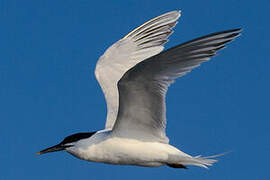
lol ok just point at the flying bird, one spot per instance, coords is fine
(134, 74)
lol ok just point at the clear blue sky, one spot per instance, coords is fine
(48, 52)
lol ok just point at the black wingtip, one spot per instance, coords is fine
(232, 30)
(237, 29)
(235, 32)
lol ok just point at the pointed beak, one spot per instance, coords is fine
(57, 147)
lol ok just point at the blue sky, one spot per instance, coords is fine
(48, 52)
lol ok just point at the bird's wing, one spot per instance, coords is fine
(142, 89)
(143, 42)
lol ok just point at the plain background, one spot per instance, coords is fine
(48, 52)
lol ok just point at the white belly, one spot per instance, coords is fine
(124, 151)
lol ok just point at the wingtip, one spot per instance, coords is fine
(239, 29)
(176, 12)
(179, 12)
(168, 17)
(236, 31)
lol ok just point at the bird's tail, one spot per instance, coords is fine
(201, 161)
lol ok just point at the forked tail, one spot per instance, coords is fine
(200, 161)
(203, 161)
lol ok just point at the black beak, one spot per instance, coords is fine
(58, 147)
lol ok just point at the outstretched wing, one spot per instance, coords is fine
(143, 42)
(142, 89)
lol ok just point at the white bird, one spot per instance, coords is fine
(134, 75)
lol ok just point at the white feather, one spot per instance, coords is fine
(143, 42)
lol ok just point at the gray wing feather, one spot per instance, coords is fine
(142, 89)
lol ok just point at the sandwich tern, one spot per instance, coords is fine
(134, 75)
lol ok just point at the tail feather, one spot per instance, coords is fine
(199, 161)
(182, 159)
(203, 162)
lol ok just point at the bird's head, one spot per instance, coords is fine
(67, 142)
